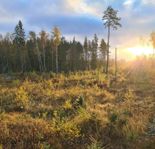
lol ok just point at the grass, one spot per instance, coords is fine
(77, 110)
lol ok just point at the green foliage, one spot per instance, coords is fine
(111, 19)
(113, 117)
(19, 38)
(46, 52)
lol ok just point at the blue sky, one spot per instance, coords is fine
(80, 18)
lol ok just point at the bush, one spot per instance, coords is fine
(13, 99)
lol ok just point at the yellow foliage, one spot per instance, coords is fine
(41, 111)
(21, 98)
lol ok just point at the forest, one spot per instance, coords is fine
(64, 94)
(38, 53)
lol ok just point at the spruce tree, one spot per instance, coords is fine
(19, 35)
(19, 42)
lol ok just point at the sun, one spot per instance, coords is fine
(141, 50)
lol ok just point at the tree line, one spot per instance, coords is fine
(52, 52)
(48, 52)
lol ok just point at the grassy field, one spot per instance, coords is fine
(82, 110)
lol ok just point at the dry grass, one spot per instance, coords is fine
(78, 110)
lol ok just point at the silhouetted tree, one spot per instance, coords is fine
(153, 41)
(34, 52)
(86, 52)
(94, 52)
(111, 20)
(103, 51)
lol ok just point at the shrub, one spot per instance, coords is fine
(15, 99)
(21, 99)
(7, 99)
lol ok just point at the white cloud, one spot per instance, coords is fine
(81, 7)
(128, 4)
(70, 7)
(148, 2)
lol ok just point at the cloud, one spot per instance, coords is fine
(78, 6)
(128, 3)
(148, 2)
(80, 17)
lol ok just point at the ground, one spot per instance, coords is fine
(83, 110)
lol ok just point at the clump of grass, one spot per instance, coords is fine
(95, 144)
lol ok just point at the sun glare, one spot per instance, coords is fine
(140, 50)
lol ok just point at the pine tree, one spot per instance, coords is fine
(86, 52)
(111, 20)
(103, 51)
(94, 52)
(34, 52)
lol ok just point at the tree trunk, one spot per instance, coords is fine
(107, 65)
(44, 58)
(104, 62)
(52, 61)
(39, 58)
(22, 59)
(57, 68)
(116, 64)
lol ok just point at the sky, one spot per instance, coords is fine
(81, 18)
